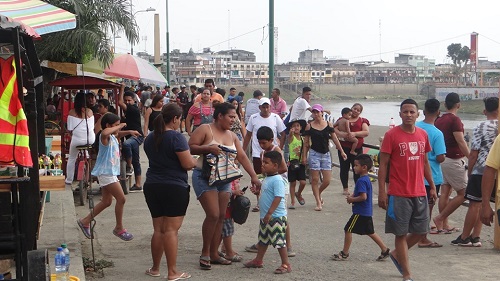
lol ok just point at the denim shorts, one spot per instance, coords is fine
(320, 161)
(200, 185)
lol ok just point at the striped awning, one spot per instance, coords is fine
(40, 16)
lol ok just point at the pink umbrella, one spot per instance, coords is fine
(135, 68)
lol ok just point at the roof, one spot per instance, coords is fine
(84, 82)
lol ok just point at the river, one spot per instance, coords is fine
(379, 113)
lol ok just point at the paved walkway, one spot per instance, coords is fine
(315, 237)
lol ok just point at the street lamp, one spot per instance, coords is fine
(150, 9)
(114, 42)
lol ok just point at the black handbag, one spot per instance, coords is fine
(240, 208)
(294, 164)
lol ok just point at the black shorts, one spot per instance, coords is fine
(473, 191)
(166, 200)
(361, 225)
(297, 175)
(428, 190)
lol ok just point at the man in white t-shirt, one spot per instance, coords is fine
(257, 120)
(252, 106)
(301, 106)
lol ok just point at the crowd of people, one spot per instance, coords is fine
(276, 145)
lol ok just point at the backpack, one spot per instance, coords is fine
(240, 208)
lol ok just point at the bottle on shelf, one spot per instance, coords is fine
(66, 256)
(60, 259)
(392, 124)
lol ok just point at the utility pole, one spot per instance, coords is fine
(168, 50)
(271, 46)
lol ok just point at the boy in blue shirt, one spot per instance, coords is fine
(273, 214)
(362, 210)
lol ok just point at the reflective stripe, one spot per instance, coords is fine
(8, 139)
(6, 99)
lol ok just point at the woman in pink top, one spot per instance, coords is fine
(200, 112)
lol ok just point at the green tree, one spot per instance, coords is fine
(90, 38)
(460, 57)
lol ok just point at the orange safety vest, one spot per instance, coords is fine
(14, 135)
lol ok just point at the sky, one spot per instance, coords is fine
(360, 30)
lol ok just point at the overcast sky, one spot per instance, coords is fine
(343, 29)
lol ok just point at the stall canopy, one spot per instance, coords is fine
(36, 15)
(84, 82)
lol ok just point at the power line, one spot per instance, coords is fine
(418, 46)
(241, 35)
(482, 35)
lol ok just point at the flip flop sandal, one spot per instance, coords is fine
(453, 229)
(431, 245)
(123, 235)
(300, 199)
(235, 258)
(183, 276)
(205, 263)
(256, 209)
(150, 273)
(221, 261)
(439, 231)
(284, 268)
(396, 263)
(318, 209)
(85, 229)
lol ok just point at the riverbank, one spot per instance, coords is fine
(360, 93)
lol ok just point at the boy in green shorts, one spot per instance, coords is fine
(273, 214)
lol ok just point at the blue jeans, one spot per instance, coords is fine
(130, 149)
(320, 161)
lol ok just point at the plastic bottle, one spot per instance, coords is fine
(60, 259)
(66, 256)
(1, 277)
(392, 124)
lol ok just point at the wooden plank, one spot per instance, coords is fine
(47, 183)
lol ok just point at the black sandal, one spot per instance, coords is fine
(205, 263)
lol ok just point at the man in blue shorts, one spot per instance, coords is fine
(405, 148)
(436, 156)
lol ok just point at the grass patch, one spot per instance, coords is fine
(96, 271)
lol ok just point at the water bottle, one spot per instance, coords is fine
(1, 277)
(66, 256)
(392, 124)
(60, 259)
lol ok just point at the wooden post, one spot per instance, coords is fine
(496, 239)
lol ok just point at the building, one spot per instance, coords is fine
(424, 67)
(311, 56)
(239, 55)
(248, 72)
(385, 73)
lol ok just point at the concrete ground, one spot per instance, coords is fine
(315, 237)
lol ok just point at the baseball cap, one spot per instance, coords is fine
(317, 107)
(183, 86)
(263, 101)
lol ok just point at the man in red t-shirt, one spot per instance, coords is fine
(454, 165)
(405, 148)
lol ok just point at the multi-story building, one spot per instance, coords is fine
(312, 56)
(383, 73)
(248, 72)
(424, 67)
(239, 55)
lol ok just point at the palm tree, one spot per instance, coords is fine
(89, 39)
